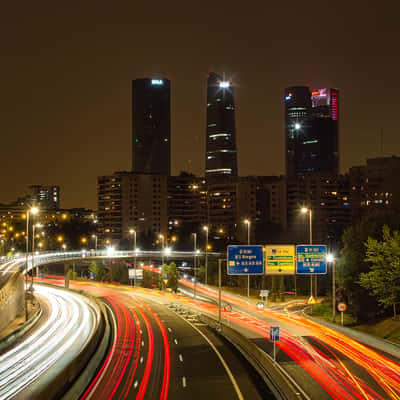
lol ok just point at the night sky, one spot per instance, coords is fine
(66, 70)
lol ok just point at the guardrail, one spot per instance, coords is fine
(279, 383)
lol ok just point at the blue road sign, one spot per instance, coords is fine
(245, 260)
(274, 333)
(311, 259)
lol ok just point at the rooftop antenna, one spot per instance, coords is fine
(381, 144)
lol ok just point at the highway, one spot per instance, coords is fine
(158, 354)
(310, 352)
(66, 325)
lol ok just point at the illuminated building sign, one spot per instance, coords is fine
(334, 106)
(321, 97)
(288, 97)
(224, 84)
(157, 82)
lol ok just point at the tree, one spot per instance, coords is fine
(98, 271)
(173, 277)
(383, 280)
(351, 264)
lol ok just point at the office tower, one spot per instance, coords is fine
(311, 128)
(325, 130)
(297, 124)
(221, 157)
(151, 127)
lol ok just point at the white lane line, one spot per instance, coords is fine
(169, 330)
(142, 343)
(141, 360)
(225, 365)
(180, 358)
(184, 381)
(135, 384)
(176, 342)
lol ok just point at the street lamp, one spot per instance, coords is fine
(194, 263)
(161, 237)
(33, 211)
(331, 259)
(95, 241)
(205, 229)
(248, 223)
(33, 248)
(305, 210)
(133, 232)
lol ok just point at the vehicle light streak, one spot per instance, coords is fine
(149, 361)
(167, 356)
(53, 345)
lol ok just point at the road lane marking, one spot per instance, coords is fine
(180, 358)
(184, 381)
(141, 360)
(169, 330)
(142, 343)
(135, 384)
(225, 365)
(176, 342)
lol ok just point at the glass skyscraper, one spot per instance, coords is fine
(221, 156)
(151, 126)
(311, 130)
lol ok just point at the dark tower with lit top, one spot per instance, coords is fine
(151, 126)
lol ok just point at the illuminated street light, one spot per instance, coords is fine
(331, 259)
(305, 210)
(206, 229)
(248, 223)
(33, 210)
(95, 241)
(133, 232)
(297, 126)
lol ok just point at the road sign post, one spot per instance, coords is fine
(274, 337)
(311, 260)
(342, 307)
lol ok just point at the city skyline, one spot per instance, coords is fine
(66, 96)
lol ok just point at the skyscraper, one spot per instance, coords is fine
(311, 122)
(297, 124)
(151, 126)
(221, 156)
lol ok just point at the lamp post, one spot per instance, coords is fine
(205, 228)
(248, 223)
(33, 211)
(220, 260)
(331, 259)
(305, 210)
(194, 263)
(33, 248)
(161, 237)
(95, 241)
(133, 232)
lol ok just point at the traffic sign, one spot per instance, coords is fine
(280, 259)
(245, 260)
(274, 333)
(264, 293)
(260, 305)
(342, 307)
(311, 259)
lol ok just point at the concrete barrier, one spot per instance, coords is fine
(11, 299)
(279, 383)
